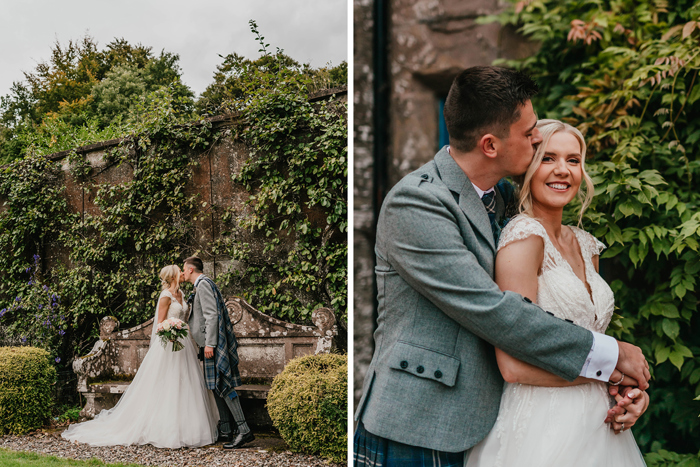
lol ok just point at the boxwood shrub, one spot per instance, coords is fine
(26, 393)
(308, 404)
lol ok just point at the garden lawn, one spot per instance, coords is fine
(30, 459)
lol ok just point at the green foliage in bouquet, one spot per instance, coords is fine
(26, 389)
(308, 405)
(626, 74)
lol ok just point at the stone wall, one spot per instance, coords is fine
(212, 181)
(363, 171)
(428, 43)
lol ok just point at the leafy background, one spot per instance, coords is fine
(295, 177)
(625, 72)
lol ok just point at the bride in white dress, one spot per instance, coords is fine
(544, 420)
(167, 404)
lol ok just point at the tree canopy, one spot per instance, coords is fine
(82, 90)
(237, 77)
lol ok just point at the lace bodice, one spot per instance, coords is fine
(176, 310)
(559, 289)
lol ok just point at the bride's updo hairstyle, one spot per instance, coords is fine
(167, 275)
(547, 128)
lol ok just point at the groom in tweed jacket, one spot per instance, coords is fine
(212, 330)
(433, 387)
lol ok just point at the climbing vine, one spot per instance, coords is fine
(626, 74)
(64, 268)
(297, 179)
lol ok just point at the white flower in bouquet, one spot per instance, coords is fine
(171, 330)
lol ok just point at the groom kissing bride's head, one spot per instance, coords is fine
(441, 317)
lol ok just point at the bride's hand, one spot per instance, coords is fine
(635, 401)
(614, 389)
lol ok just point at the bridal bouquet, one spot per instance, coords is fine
(170, 330)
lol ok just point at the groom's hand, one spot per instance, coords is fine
(631, 362)
(208, 352)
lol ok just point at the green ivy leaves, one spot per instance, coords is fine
(297, 180)
(626, 74)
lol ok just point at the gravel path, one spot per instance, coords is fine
(254, 455)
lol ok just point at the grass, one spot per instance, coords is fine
(31, 459)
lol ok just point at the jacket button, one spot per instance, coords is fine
(424, 176)
(598, 373)
(527, 300)
(420, 369)
(569, 321)
(438, 374)
(404, 364)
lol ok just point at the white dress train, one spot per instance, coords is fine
(542, 426)
(166, 405)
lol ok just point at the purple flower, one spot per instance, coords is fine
(58, 360)
(17, 299)
(61, 332)
(28, 269)
(2, 312)
(36, 258)
(24, 339)
(41, 306)
(45, 288)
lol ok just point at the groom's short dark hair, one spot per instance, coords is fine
(485, 99)
(196, 263)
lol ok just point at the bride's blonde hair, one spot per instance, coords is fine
(548, 127)
(168, 274)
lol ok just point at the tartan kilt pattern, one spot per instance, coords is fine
(374, 451)
(221, 373)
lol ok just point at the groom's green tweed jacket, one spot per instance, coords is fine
(433, 381)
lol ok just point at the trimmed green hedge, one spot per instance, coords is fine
(308, 404)
(26, 396)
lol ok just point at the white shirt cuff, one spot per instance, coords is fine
(602, 359)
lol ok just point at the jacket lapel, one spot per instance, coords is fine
(469, 202)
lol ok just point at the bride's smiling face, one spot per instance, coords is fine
(558, 178)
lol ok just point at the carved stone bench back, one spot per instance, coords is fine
(265, 346)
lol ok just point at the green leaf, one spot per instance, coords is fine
(662, 354)
(671, 328)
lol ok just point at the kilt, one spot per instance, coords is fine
(374, 451)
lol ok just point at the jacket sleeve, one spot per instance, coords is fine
(420, 237)
(207, 300)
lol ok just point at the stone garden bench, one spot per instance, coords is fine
(265, 345)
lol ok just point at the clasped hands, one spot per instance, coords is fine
(627, 385)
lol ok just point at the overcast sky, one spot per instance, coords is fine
(310, 31)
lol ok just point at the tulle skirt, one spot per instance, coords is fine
(167, 405)
(543, 427)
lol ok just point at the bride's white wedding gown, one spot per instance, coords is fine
(541, 426)
(167, 404)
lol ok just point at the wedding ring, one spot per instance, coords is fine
(623, 426)
(618, 383)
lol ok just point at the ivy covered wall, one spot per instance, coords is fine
(260, 195)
